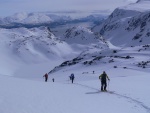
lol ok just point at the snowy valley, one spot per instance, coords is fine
(38, 43)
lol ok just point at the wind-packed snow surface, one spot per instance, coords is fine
(129, 93)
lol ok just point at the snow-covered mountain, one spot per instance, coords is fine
(112, 57)
(93, 18)
(141, 0)
(45, 17)
(26, 41)
(127, 34)
(128, 26)
(32, 18)
(21, 46)
(81, 35)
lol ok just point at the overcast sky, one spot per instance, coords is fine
(9, 7)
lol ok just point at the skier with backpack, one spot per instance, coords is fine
(103, 77)
(46, 77)
(72, 77)
(53, 79)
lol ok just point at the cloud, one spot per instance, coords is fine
(131, 1)
(8, 7)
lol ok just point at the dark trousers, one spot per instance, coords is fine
(72, 80)
(46, 79)
(103, 85)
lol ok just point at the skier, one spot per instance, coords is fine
(46, 77)
(93, 72)
(53, 79)
(72, 77)
(103, 78)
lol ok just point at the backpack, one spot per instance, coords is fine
(103, 77)
(72, 76)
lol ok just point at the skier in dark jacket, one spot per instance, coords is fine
(72, 77)
(46, 77)
(53, 79)
(103, 78)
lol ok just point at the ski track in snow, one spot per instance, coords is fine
(122, 96)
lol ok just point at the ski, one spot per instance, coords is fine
(111, 92)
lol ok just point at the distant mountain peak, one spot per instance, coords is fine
(142, 1)
(132, 20)
(140, 6)
(82, 35)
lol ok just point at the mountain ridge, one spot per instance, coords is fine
(126, 27)
(127, 34)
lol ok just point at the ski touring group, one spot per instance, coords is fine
(103, 78)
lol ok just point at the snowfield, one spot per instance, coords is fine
(130, 93)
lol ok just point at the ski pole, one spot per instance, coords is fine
(108, 85)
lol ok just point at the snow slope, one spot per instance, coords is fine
(130, 93)
(29, 49)
(128, 69)
(22, 47)
(81, 35)
(127, 26)
(116, 57)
